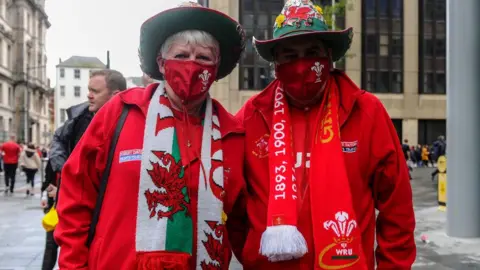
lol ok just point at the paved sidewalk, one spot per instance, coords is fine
(22, 236)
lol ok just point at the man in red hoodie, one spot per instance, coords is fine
(11, 153)
(321, 156)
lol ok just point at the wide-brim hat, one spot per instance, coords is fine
(303, 18)
(191, 16)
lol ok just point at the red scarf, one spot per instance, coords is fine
(336, 234)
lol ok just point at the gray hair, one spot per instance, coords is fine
(194, 37)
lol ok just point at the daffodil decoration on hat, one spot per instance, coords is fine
(303, 18)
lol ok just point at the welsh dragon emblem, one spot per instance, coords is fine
(214, 246)
(167, 199)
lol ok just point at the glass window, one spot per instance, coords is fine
(428, 83)
(440, 10)
(262, 21)
(76, 74)
(428, 46)
(247, 20)
(371, 8)
(383, 82)
(397, 46)
(371, 81)
(62, 73)
(372, 44)
(384, 8)
(247, 5)
(62, 90)
(76, 91)
(440, 48)
(397, 82)
(433, 36)
(397, 8)
(63, 114)
(441, 84)
(266, 76)
(429, 6)
(247, 77)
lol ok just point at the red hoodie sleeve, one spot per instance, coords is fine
(237, 225)
(78, 193)
(393, 197)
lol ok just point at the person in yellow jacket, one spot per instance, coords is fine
(425, 154)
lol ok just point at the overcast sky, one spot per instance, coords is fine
(91, 27)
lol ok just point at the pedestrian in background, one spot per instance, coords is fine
(49, 192)
(11, 153)
(30, 162)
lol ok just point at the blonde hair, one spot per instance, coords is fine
(194, 37)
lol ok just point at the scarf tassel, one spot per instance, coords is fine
(282, 243)
(162, 260)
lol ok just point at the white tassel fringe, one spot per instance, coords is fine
(282, 243)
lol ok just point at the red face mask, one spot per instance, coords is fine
(189, 79)
(304, 78)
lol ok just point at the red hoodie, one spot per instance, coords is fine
(376, 170)
(11, 152)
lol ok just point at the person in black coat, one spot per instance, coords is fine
(48, 201)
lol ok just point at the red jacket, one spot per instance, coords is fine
(376, 170)
(114, 244)
(11, 152)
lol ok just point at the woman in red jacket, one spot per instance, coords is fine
(321, 155)
(177, 170)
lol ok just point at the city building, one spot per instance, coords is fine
(71, 89)
(24, 87)
(398, 53)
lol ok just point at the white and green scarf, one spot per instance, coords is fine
(165, 225)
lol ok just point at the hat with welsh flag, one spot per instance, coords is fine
(303, 18)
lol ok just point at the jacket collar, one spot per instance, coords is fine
(141, 97)
(348, 91)
(77, 110)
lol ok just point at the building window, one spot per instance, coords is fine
(63, 115)
(382, 46)
(10, 96)
(76, 91)
(432, 47)
(62, 90)
(9, 56)
(62, 73)
(258, 18)
(76, 73)
(429, 130)
(1, 93)
(397, 123)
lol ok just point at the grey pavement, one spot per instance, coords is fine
(22, 237)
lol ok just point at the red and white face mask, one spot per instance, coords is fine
(304, 78)
(189, 79)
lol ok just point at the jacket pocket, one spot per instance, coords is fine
(94, 254)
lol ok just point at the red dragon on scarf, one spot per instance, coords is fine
(214, 246)
(166, 177)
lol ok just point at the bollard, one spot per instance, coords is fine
(442, 183)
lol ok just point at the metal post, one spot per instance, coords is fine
(463, 123)
(333, 21)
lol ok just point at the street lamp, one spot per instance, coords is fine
(26, 123)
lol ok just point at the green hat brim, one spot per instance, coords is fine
(155, 31)
(338, 41)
